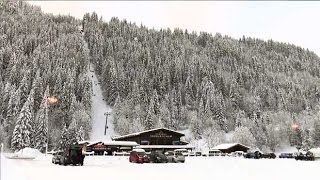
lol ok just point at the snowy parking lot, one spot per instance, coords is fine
(195, 168)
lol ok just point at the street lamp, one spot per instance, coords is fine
(51, 100)
(106, 125)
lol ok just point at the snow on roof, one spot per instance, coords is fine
(138, 133)
(83, 142)
(139, 150)
(121, 143)
(165, 147)
(115, 143)
(228, 145)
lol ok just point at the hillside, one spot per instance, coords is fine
(259, 93)
(41, 56)
(212, 84)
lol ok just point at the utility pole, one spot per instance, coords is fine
(106, 125)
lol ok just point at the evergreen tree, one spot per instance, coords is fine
(42, 120)
(22, 132)
(316, 134)
(81, 134)
(150, 119)
(243, 135)
(64, 139)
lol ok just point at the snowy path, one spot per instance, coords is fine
(195, 168)
(99, 107)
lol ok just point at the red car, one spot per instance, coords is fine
(138, 156)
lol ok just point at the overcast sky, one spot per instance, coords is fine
(293, 22)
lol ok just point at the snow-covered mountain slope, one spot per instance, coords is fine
(99, 108)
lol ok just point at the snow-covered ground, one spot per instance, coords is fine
(195, 168)
(99, 107)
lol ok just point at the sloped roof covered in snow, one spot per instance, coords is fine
(142, 132)
(115, 143)
(228, 146)
(165, 147)
(83, 142)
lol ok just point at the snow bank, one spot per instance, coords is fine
(28, 152)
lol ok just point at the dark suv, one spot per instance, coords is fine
(269, 155)
(158, 157)
(73, 155)
(56, 157)
(138, 156)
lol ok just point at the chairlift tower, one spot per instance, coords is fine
(106, 125)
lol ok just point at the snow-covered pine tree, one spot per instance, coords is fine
(213, 136)
(24, 87)
(42, 120)
(63, 142)
(81, 134)
(150, 119)
(316, 134)
(83, 119)
(72, 132)
(243, 135)
(38, 89)
(307, 140)
(21, 137)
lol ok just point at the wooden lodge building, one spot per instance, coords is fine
(231, 147)
(156, 139)
(108, 147)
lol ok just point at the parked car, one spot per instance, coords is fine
(72, 155)
(158, 157)
(268, 155)
(286, 155)
(236, 154)
(175, 156)
(198, 153)
(56, 157)
(183, 151)
(138, 156)
(308, 156)
(253, 155)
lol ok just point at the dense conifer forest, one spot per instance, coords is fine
(264, 93)
(41, 56)
(212, 84)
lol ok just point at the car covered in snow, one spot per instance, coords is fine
(138, 156)
(236, 154)
(157, 157)
(286, 155)
(175, 156)
(182, 151)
